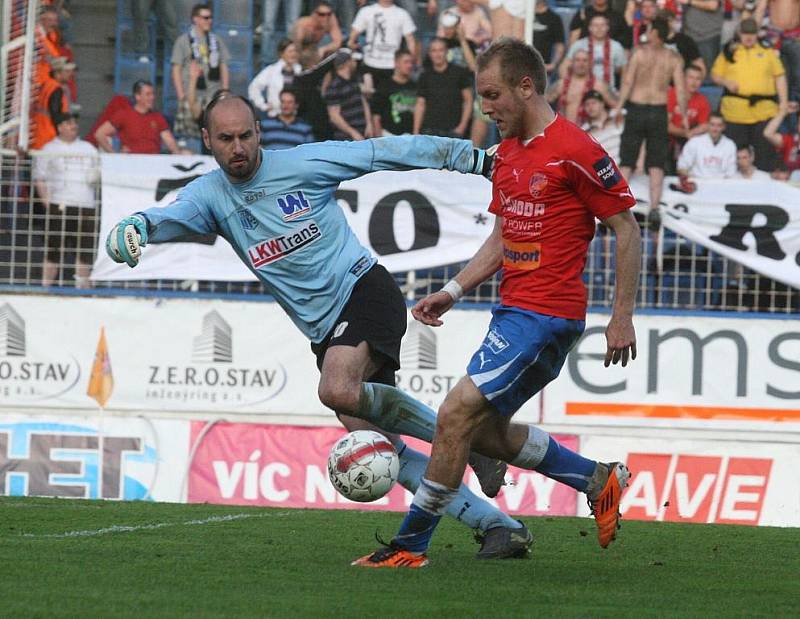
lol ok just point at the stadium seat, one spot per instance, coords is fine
(241, 75)
(233, 13)
(239, 42)
(128, 70)
(713, 94)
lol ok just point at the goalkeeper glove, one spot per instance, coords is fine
(483, 161)
(126, 239)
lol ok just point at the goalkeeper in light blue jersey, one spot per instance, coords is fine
(277, 209)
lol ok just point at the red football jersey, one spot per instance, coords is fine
(549, 193)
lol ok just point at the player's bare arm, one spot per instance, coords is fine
(620, 333)
(485, 263)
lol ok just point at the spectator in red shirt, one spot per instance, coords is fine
(787, 144)
(141, 129)
(698, 110)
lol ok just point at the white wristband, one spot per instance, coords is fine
(454, 289)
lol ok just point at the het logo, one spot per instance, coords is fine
(293, 205)
(681, 488)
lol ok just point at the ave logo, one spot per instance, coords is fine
(681, 488)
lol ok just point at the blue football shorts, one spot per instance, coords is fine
(521, 353)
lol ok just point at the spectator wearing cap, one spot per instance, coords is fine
(698, 110)
(207, 51)
(52, 99)
(569, 92)
(702, 21)
(617, 27)
(600, 125)
(141, 129)
(386, 27)
(348, 109)
(607, 58)
(755, 91)
(441, 89)
(285, 130)
(710, 155)
(549, 36)
(66, 173)
(317, 34)
(394, 102)
(266, 88)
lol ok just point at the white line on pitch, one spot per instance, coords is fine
(118, 528)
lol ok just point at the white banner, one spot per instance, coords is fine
(755, 223)
(447, 223)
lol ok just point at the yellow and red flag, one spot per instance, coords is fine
(101, 382)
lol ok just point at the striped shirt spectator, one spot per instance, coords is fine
(347, 107)
(285, 130)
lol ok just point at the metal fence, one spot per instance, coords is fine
(42, 243)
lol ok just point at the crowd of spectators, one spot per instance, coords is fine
(697, 88)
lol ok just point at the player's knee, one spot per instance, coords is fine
(456, 421)
(338, 397)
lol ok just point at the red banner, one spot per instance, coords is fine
(286, 466)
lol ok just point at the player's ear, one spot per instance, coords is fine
(526, 87)
(206, 138)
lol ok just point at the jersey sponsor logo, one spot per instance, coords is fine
(247, 219)
(512, 206)
(252, 196)
(538, 184)
(361, 265)
(607, 172)
(293, 205)
(495, 342)
(272, 250)
(521, 255)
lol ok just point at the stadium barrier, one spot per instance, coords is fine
(221, 406)
(422, 226)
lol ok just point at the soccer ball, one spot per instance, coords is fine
(363, 466)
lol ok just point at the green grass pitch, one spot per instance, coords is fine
(69, 558)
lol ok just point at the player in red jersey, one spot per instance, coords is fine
(551, 181)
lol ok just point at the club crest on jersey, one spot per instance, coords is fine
(277, 248)
(538, 184)
(293, 205)
(247, 219)
(607, 172)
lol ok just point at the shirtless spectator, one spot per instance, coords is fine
(473, 19)
(606, 56)
(618, 29)
(683, 44)
(702, 21)
(508, 18)
(698, 110)
(140, 128)
(783, 30)
(318, 34)
(644, 90)
(569, 91)
(745, 168)
(711, 155)
(600, 125)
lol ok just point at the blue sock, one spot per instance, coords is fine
(566, 466)
(430, 502)
(542, 453)
(393, 410)
(466, 507)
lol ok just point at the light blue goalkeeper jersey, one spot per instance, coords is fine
(285, 224)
